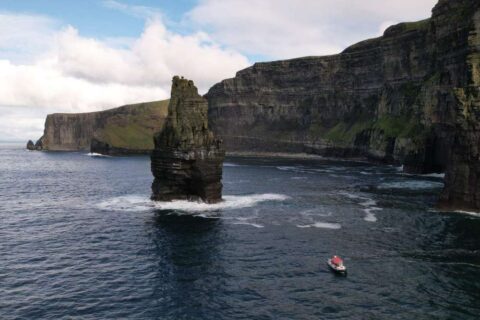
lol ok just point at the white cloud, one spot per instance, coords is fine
(142, 12)
(20, 124)
(23, 35)
(285, 29)
(79, 74)
(46, 67)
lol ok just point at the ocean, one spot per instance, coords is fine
(80, 239)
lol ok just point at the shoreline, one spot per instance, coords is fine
(297, 155)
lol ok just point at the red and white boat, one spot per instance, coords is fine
(336, 264)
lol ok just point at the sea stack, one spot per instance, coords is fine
(187, 160)
(30, 145)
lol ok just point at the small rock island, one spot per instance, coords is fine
(187, 161)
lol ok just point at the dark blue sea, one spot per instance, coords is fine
(79, 239)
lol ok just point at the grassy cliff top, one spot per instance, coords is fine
(133, 126)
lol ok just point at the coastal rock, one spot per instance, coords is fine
(125, 130)
(30, 145)
(409, 97)
(187, 160)
(39, 145)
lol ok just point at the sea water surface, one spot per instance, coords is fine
(79, 239)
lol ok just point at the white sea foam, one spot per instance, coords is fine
(141, 203)
(411, 184)
(287, 168)
(427, 175)
(368, 204)
(470, 213)
(352, 195)
(434, 175)
(228, 164)
(256, 225)
(315, 212)
(298, 178)
(322, 225)
(366, 173)
(370, 216)
(97, 155)
(126, 203)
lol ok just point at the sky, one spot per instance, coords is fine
(89, 55)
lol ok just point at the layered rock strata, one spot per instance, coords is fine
(187, 161)
(409, 97)
(462, 180)
(124, 130)
(389, 99)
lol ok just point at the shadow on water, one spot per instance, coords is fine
(190, 271)
(450, 257)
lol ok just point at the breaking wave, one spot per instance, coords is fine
(256, 225)
(97, 155)
(470, 213)
(322, 225)
(411, 185)
(229, 164)
(137, 203)
(369, 206)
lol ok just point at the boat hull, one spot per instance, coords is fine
(335, 268)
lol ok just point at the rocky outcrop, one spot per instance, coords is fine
(37, 146)
(409, 97)
(124, 130)
(30, 145)
(187, 160)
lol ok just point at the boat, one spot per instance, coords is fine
(336, 264)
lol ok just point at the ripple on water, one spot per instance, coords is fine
(411, 185)
(74, 243)
(321, 225)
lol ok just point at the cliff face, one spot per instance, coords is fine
(462, 180)
(187, 161)
(127, 129)
(391, 99)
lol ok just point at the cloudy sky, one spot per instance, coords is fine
(80, 56)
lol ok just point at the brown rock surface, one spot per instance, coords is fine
(187, 161)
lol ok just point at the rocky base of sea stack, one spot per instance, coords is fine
(194, 175)
(187, 161)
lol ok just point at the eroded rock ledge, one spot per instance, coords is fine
(187, 160)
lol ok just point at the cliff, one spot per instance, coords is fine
(187, 161)
(124, 130)
(390, 99)
(409, 97)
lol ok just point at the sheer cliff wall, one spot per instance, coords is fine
(392, 99)
(127, 129)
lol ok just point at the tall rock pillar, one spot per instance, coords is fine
(187, 161)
